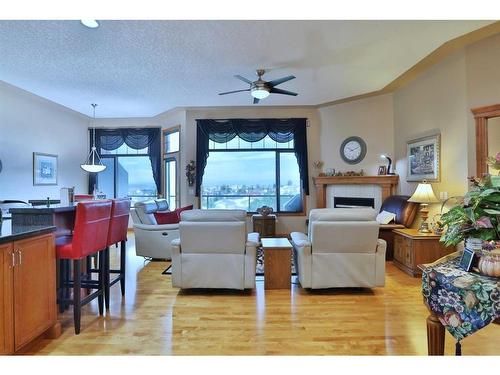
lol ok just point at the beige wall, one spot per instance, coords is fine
(370, 119)
(436, 102)
(483, 84)
(30, 124)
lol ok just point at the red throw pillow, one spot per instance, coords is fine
(167, 217)
(179, 210)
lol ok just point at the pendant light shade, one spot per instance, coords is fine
(93, 162)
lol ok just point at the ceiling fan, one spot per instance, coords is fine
(261, 89)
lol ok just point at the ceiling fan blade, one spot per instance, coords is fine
(284, 92)
(232, 92)
(279, 81)
(255, 101)
(243, 79)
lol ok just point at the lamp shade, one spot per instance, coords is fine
(423, 194)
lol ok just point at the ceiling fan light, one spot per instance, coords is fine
(260, 93)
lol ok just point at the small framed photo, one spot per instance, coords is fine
(467, 259)
(44, 169)
(382, 170)
(423, 158)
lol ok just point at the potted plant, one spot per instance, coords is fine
(476, 216)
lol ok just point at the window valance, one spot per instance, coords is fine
(252, 130)
(136, 138)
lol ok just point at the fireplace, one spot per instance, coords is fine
(353, 202)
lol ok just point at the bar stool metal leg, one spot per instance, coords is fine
(101, 280)
(106, 277)
(77, 298)
(123, 251)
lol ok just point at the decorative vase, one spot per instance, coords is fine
(265, 210)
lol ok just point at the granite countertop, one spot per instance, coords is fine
(37, 210)
(9, 232)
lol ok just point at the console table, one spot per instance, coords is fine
(459, 301)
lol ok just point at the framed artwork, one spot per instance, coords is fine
(382, 170)
(423, 158)
(44, 169)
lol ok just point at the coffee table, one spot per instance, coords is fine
(277, 260)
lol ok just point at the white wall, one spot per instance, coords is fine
(371, 119)
(29, 123)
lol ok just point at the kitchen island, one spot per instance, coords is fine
(28, 284)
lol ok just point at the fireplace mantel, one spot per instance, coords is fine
(388, 183)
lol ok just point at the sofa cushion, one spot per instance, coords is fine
(162, 204)
(181, 209)
(213, 215)
(145, 212)
(170, 217)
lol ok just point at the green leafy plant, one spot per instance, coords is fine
(477, 215)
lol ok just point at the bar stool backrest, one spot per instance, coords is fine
(120, 211)
(91, 227)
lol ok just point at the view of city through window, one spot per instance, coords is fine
(127, 176)
(249, 179)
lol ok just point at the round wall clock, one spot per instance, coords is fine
(353, 150)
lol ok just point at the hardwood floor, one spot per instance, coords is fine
(156, 319)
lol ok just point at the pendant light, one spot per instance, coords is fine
(93, 162)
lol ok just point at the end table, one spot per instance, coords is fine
(264, 225)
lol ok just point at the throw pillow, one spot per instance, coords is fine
(385, 217)
(167, 217)
(185, 208)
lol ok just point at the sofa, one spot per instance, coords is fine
(341, 249)
(153, 240)
(214, 251)
(405, 215)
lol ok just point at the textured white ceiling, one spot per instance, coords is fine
(142, 68)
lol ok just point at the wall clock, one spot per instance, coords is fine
(353, 150)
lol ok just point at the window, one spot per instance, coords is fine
(171, 150)
(128, 174)
(245, 175)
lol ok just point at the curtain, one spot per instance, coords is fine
(136, 138)
(252, 130)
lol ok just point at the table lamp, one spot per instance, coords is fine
(424, 195)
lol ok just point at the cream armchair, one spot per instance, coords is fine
(214, 251)
(151, 239)
(341, 249)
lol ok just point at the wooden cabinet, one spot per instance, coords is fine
(6, 299)
(264, 225)
(412, 248)
(28, 291)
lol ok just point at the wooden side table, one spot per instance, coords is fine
(277, 263)
(264, 225)
(412, 248)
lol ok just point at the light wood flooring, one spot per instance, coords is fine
(156, 319)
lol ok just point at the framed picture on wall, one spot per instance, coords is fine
(44, 169)
(423, 158)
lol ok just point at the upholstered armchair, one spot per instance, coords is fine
(341, 249)
(405, 214)
(214, 251)
(151, 239)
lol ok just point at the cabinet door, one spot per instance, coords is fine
(6, 300)
(34, 288)
(398, 248)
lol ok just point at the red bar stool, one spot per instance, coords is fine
(118, 226)
(89, 237)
